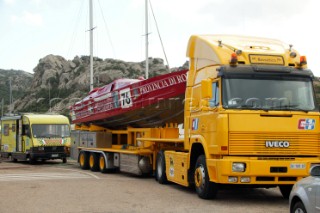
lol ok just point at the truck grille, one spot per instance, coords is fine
(48, 149)
(254, 143)
(54, 148)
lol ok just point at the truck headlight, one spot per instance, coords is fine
(66, 149)
(238, 167)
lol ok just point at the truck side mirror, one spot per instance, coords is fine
(206, 89)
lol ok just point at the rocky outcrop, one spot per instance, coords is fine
(19, 81)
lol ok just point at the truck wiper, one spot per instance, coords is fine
(298, 109)
(250, 106)
(285, 107)
(293, 107)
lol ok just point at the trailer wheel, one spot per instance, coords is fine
(94, 162)
(160, 175)
(102, 164)
(84, 160)
(204, 188)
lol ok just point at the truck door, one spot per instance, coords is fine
(207, 100)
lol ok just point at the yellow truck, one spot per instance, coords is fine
(35, 137)
(250, 120)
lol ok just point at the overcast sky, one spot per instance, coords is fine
(32, 29)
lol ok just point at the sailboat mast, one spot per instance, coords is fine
(91, 45)
(147, 42)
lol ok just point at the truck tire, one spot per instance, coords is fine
(64, 160)
(204, 188)
(160, 173)
(94, 162)
(285, 190)
(84, 160)
(32, 160)
(102, 164)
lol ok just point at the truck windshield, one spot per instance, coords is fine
(50, 130)
(271, 93)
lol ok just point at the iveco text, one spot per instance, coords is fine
(282, 144)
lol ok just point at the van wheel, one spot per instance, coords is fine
(102, 164)
(94, 162)
(32, 160)
(160, 175)
(285, 190)
(84, 160)
(204, 188)
(64, 160)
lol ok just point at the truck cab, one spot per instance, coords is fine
(35, 137)
(251, 114)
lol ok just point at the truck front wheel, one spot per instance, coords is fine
(205, 189)
(84, 160)
(160, 175)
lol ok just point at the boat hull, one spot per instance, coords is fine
(146, 103)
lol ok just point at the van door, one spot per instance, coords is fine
(18, 131)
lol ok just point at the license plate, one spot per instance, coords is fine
(55, 155)
(297, 166)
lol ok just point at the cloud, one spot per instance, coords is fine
(9, 2)
(251, 8)
(36, 2)
(32, 19)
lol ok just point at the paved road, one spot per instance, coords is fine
(56, 187)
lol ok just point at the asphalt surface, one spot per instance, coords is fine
(56, 187)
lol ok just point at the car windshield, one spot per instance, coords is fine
(50, 130)
(269, 93)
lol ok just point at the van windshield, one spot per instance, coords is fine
(272, 93)
(50, 130)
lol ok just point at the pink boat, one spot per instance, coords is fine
(134, 102)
